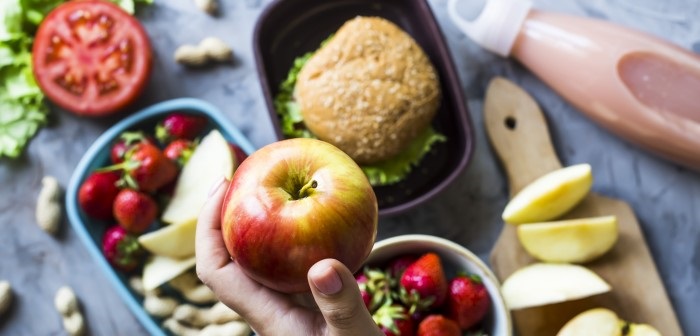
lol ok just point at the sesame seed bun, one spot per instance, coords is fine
(369, 91)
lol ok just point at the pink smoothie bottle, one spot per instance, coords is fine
(639, 87)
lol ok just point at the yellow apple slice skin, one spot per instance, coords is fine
(550, 196)
(545, 283)
(569, 241)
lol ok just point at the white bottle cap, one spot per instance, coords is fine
(497, 27)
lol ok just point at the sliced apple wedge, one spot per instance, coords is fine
(604, 322)
(569, 241)
(596, 321)
(642, 330)
(549, 196)
(211, 160)
(541, 283)
(159, 270)
(174, 241)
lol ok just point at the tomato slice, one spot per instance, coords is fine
(91, 57)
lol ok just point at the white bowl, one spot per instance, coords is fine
(455, 258)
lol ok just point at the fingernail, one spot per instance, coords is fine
(216, 186)
(326, 279)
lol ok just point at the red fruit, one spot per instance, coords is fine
(121, 249)
(180, 126)
(399, 265)
(97, 194)
(134, 211)
(238, 153)
(145, 168)
(394, 320)
(125, 141)
(361, 280)
(179, 151)
(438, 325)
(468, 301)
(423, 284)
(375, 287)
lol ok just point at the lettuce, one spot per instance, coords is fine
(397, 168)
(383, 173)
(22, 108)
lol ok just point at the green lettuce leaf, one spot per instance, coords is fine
(291, 121)
(380, 174)
(397, 168)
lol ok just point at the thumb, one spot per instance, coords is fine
(338, 297)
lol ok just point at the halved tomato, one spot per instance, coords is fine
(91, 57)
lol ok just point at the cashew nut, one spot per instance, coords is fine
(234, 328)
(5, 296)
(208, 6)
(136, 283)
(219, 313)
(67, 304)
(159, 306)
(192, 289)
(208, 50)
(178, 329)
(48, 205)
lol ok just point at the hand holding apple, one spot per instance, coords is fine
(293, 203)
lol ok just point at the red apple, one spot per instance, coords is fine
(295, 202)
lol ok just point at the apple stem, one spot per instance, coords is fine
(305, 189)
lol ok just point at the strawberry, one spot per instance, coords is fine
(121, 249)
(145, 168)
(134, 210)
(180, 126)
(375, 287)
(179, 151)
(394, 320)
(97, 193)
(468, 300)
(398, 266)
(125, 141)
(423, 284)
(438, 325)
(361, 280)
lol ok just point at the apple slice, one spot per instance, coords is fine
(642, 330)
(211, 160)
(159, 270)
(569, 241)
(174, 241)
(540, 284)
(596, 321)
(550, 196)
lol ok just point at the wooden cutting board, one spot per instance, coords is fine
(519, 135)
